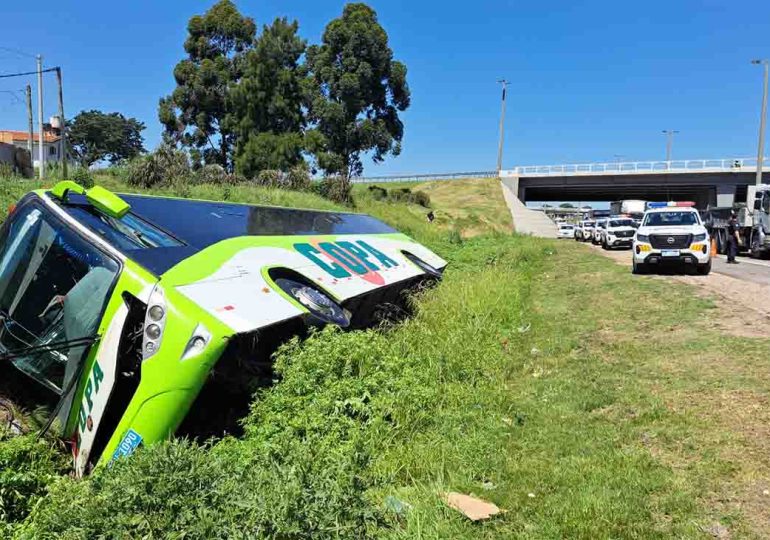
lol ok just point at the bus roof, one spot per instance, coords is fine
(198, 224)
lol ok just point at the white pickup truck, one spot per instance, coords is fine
(619, 232)
(671, 233)
(583, 231)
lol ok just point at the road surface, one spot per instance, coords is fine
(747, 269)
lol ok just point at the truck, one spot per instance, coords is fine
(633, 208)
(753, 220)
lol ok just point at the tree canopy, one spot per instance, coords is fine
(95, 136)
(265, 106)
(356, 92)
(193, 115)
(253, 103)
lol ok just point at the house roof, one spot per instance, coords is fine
(7, 135)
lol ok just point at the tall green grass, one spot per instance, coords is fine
(526, 377)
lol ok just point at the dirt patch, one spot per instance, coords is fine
(739, 313)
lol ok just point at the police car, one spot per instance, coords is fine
(598, 231)
(671, 233)
(619, 232)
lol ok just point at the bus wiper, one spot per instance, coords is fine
(48, 347)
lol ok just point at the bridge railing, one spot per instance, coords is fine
(637, 167)
(586, 169)
(423, 177)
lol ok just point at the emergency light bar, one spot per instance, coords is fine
(680, 204)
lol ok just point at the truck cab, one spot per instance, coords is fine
(760, 230)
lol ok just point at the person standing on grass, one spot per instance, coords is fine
(732, 238)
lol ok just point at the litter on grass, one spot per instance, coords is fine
(471, 507)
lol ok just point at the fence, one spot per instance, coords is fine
(424, 177)
(587, 169)
(637, 167)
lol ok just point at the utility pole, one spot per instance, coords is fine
(669, 143)
(41, 154)
(62, 126)
(502, 129)
(31, 134)
(761, 149)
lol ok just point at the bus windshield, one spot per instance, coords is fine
(53, 288)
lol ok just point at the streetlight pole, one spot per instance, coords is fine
(41, 153)
(761, 149)
(669, 143)
(502, 128)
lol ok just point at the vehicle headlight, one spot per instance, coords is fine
(153, 331)
(699, 237)
(198, 341)
(642, 238)
(154, 323)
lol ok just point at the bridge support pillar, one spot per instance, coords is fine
(511, 181)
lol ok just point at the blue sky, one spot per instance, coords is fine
(589, 80)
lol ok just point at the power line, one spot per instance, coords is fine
(7, 75)
(17, 51)
(13, 94)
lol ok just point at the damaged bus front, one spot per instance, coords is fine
(146, 316)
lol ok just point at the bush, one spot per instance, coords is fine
(7, 170)
(401, 195)
(82, 176)
(270, 178)
(303, 469)
(27, 467)
(164, 166)
(210, 174)
(298, 178)
(421, 198)
(378, 193)
(335, 188)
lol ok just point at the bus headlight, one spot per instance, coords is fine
(154, 323)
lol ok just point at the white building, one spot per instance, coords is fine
(51, 143)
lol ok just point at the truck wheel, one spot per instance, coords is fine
(721, 242)
(638, 268)
(756, 249)
(704, 269)
(604, 245)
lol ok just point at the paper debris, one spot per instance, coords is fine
(471, 507)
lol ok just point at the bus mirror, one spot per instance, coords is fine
(62, 189)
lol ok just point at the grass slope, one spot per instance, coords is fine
(473, 206)
(537, 375)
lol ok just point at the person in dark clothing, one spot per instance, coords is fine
(732, 239)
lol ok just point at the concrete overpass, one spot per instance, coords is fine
(715, 182)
